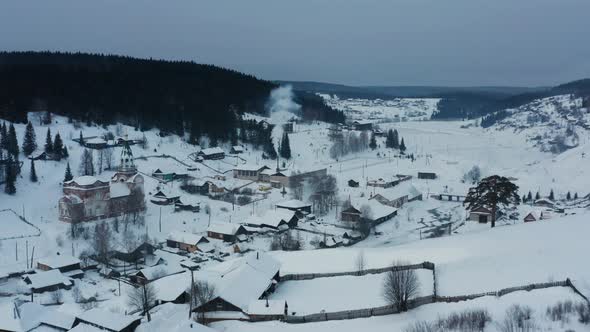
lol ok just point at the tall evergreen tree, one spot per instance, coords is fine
(395, 139)
(575, 195)
(537, 196)
(58, 147)
(373, 142)
(529, 197)
(68, 176)
(3, 136)
(551, 195)
(493, 191)
(402, 146)
(389, 139)
(569, 196)
(65, 152)
(48, 142)
(10, 177)
(81, 139)
(285, 148)
(33, 173)
(12, 142)
(30, 140)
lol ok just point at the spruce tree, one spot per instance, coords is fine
(389, 139)
(58, 147)
(12, 142)
(65, 152)
(395, 139)
(33, 173)
(9, 185)
(551, 195)
(48, 142)
(529, 197)
(68, 175)
(30, 140)
(81, 140)
(402, 146)
(575, 195)
(3, 137)
(373, 142)
(569, 196)
(537, 196)
(285, 148)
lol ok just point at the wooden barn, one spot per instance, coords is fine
(185, 241)
(226, 231)
(350, 215)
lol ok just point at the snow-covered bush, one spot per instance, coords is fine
(466, 321)
(518, 319)
(422, 326)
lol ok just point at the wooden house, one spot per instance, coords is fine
(158, 174)
(160, 198)
(98, 319)
(266, 310)
(226, 231)
(353, 183)
(350, 215)
(185, 241)
(136, 255)
(544, 202)
(295, 205)
(215, 153)
(46, 281)
(67, 265)
(249, 172)
(481, 214)
(427, 175)
(362, 125)
(237, 149)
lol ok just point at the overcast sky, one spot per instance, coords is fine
(358, 42)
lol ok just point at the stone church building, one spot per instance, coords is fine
(87, 198)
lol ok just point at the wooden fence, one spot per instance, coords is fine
(309, 276)
(389, 309)
(26, 222)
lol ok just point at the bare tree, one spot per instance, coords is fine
(142, 298)
(56, 297)
(400, 286)
(100, 161)
(360, 262)
(86, 163)
(107, 155)
(102, 242)
(201, 293)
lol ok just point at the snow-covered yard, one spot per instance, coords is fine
(18, 228)
(341, 293)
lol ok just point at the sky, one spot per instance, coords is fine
(354, 42)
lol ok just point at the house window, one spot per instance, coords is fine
(219, 306)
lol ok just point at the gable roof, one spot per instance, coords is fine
(210, 151)
(293, 204)
(351, 209)
(58, 261)
(160, 271)
(109, 320)
(224, 228)
(187, 238)
(171, 287)
(244, 280)
(46, 279)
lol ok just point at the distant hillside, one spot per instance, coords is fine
(174, 96)
(388, 92)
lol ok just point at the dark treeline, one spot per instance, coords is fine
(471, 105)
(174, 96)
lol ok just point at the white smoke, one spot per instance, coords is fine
(281, 104)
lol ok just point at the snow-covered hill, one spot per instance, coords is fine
(554, 124)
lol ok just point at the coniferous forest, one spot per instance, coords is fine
(175, 96)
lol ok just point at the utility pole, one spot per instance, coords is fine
(16, 249)
(32, 255)
(27, 253)
(160, 221)
(190, 311)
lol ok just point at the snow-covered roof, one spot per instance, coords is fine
(266, 307)
(249, 167)
(210, 151)
(224, 228)
(238, 148)
(188, 238)
(170, 288)
(58, 261)
(84, 180)
(34, 315)
(379, 210)
(118, 189)
(159, 271)
(8, 319)
(272, 218)
(110, 320)
(86, 328)
(47, 279)
(96, 140)
(293, 204)
(363, 122)
(244, 280)
(402, 189)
